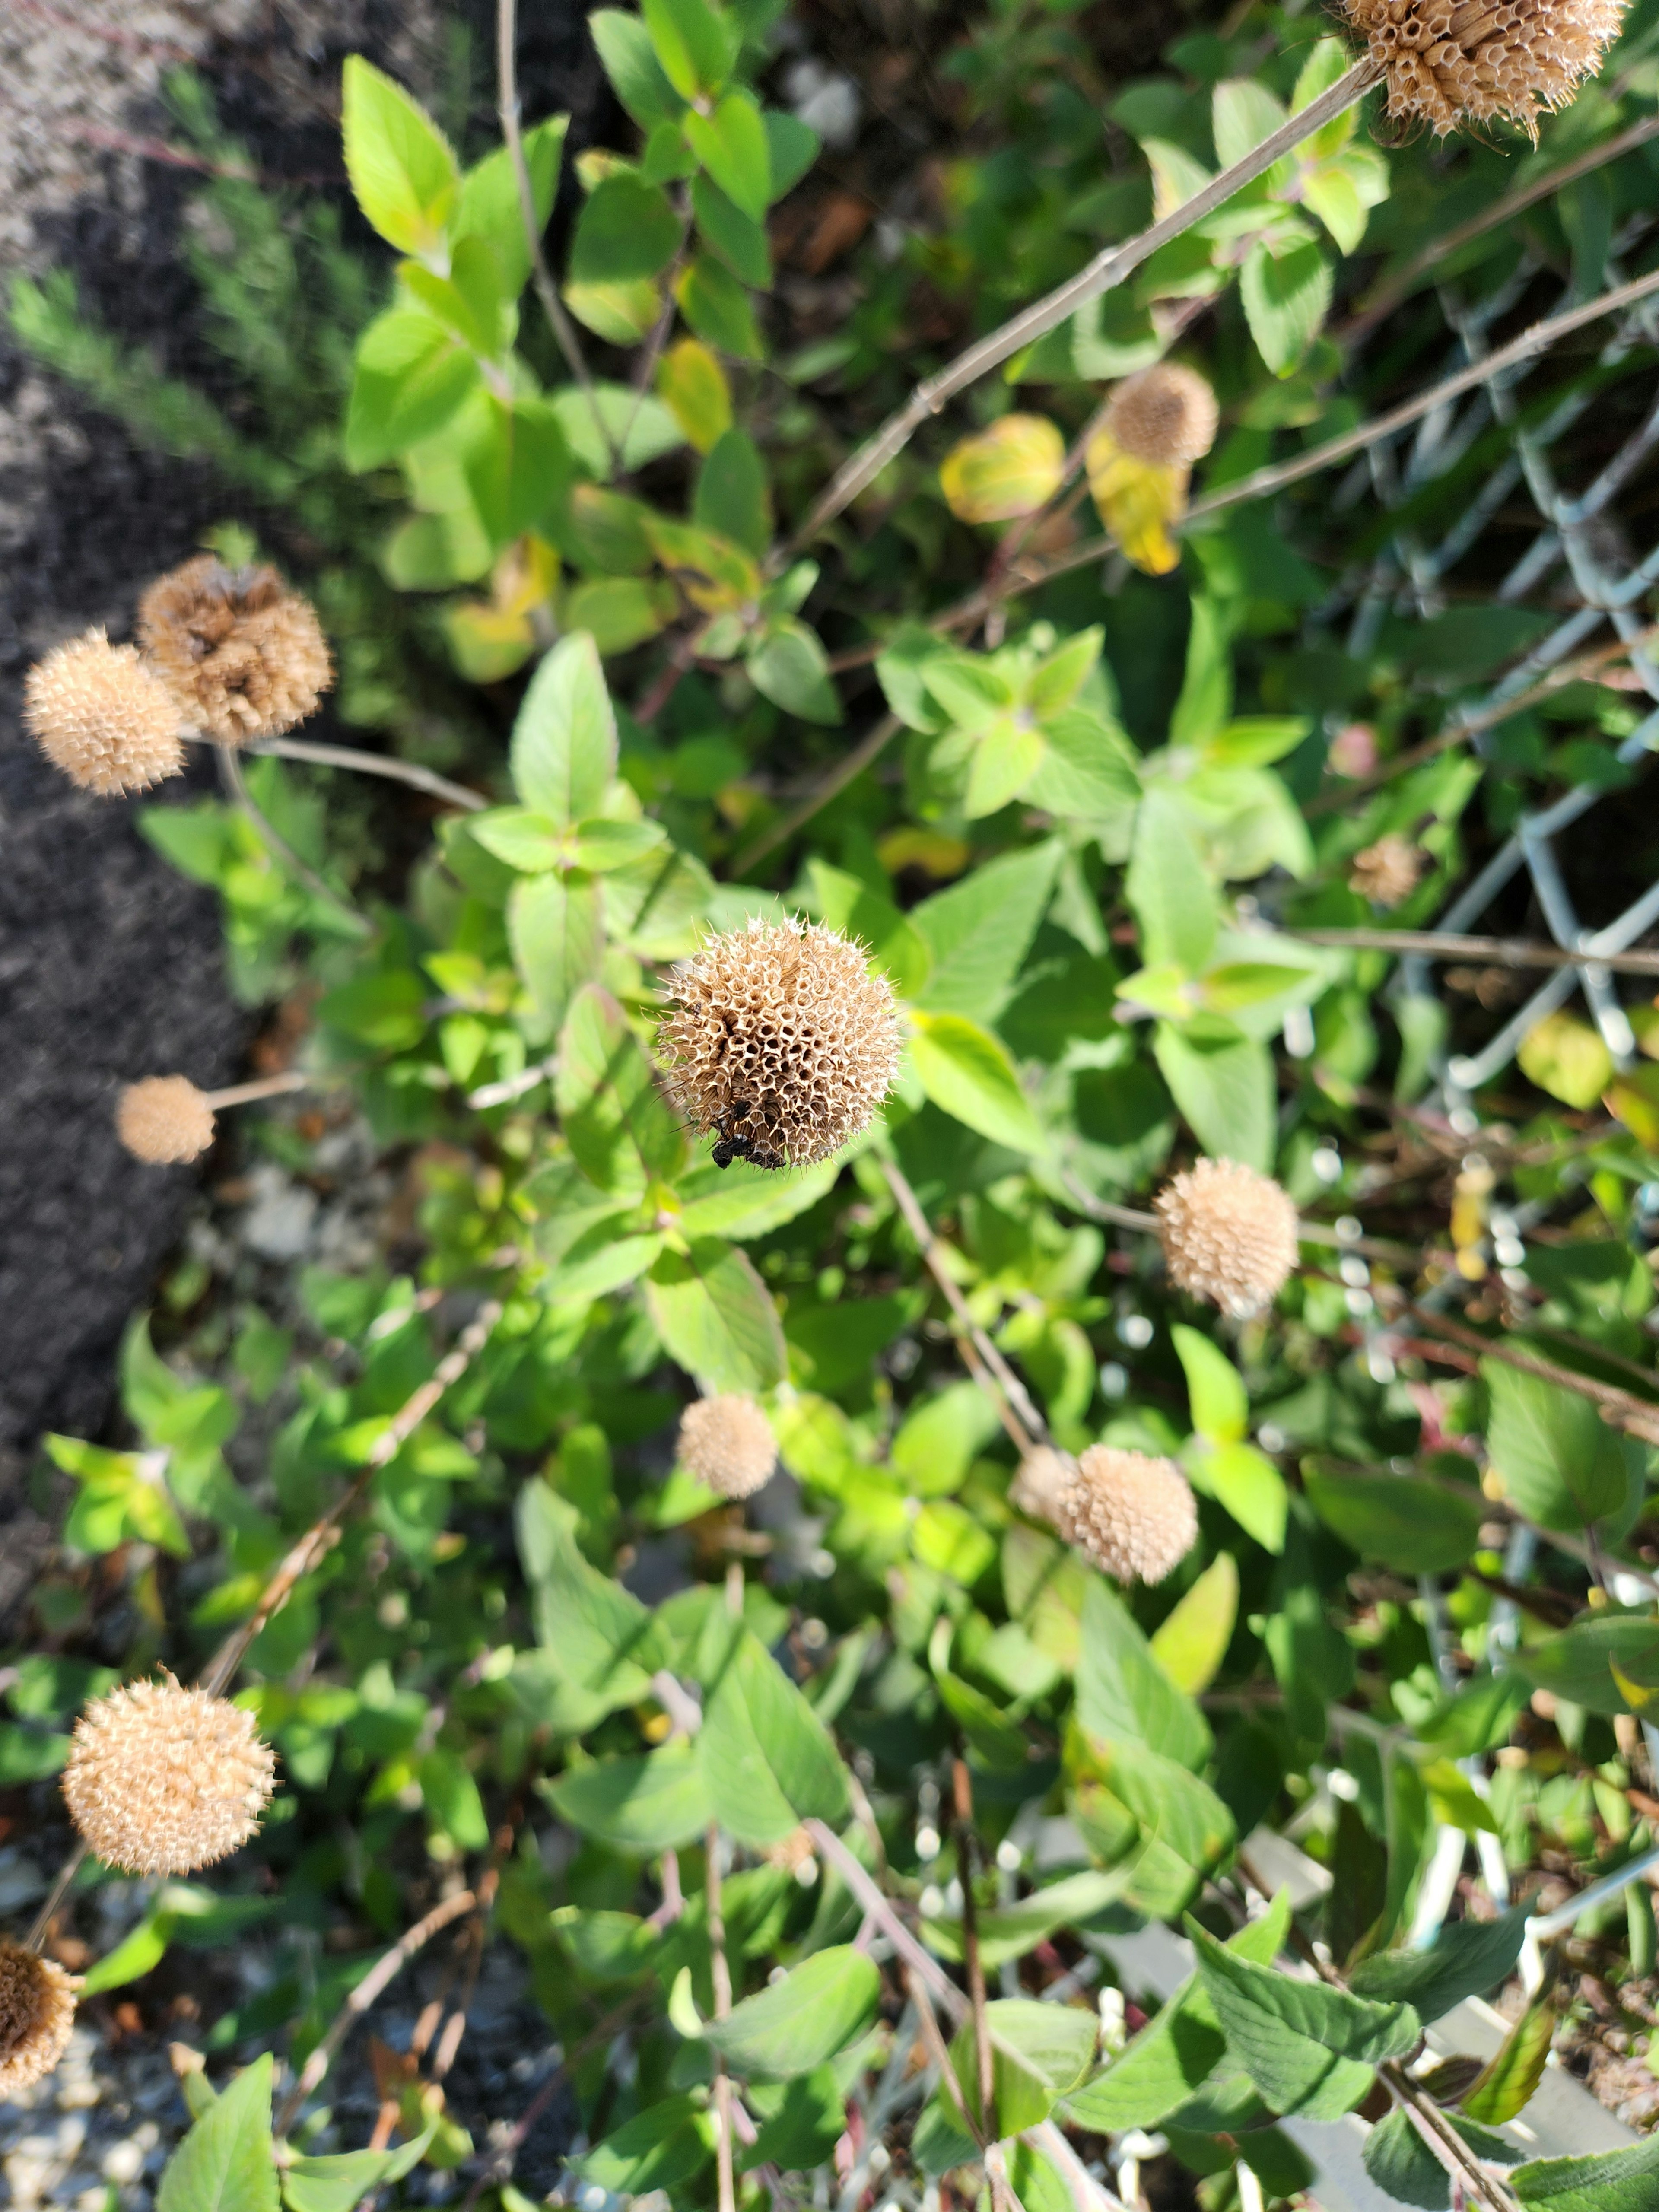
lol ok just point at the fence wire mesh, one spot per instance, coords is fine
(1603, 584)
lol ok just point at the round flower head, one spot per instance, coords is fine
(1451, 60)
(1134, 1517)
(1228, 1235)
(727, 1444)
(99, 714)
(37, 2011)
(1387, 872)
(1044, 1475)
(240, 653)
(163, 1780)
(782, 1043)
(164, 1119)
(1167, 414)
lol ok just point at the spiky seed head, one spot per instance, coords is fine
(1450, 62)
(163, 1120)
(1387, 872)
(782, 1043)
(37, 2012)
(1042, 1476)
(241, 653)
(1134, 1516)
(1228, 1235)
(1167, 414)
(727, 1444)
(163, 1780)
(99, 714)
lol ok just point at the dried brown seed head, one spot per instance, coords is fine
(1134, 1517)
(1166, 414)
(99, 714)
(781, 1043)
(1228, 1235)
(37, 2012)
(727, 1444)
(1450, 61)
(163, 1120)
(163, 1780)
(1388, 871)
(1044, 1475)
(241, 653)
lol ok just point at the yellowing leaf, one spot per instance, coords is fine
(1566, 1057)
(622, 314)
(1004, 473)
(692, 386)
(1633, 1099)
(1137, 502)
(1192, 1643)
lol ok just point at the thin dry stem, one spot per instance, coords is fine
(869, 749)
(230, 771)
(1497, 952)
(721, 1974)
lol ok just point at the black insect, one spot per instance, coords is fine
(733, 1143)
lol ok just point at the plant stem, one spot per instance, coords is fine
(962, 1793)
(1499, 951)
(230, 772)
(1108, 268)
(1026, 1415)
(938, 2052)
(852, 764)
(507, 79)
(377, 1979)
(364, 764)
(264, 1086)
(1621, 1408)
(721, 1974)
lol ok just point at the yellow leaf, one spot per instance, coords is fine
(692, 386)
(485, 643)
(1566, 1057)
(1004, 473)
(619, 313)
(1138, 501)
(525, 576)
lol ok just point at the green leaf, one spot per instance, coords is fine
(617, 1121)
(967, 1073)
(556, 928)
(1038, 2052)
(339, 2180)
(802, 2129)
(978, 930)
(1010, 1931)
(1614, 2181)
(1223, 1083)
(141, 1949)
(529, 842)
(818, 2009)
(1414, 1526)
(1086, 772)
(1246, 1482)
(1577, 1665)
(637, 425)
(402, 171)
(1467, 1959)
(1206, 687)
(30, 1755)
(767, 1758)
(1403, 2166)
(716, 1317)
(1507, 2080)
(1168, 888)
(453, 1802)
(788, 665)
(1123, 1694)
(1310, 2050)
(411, 375)
(490, 208)
(696, 42)
(1004, 760)
(626, 229)
(1215, 1389)
(732, 500)
(645, 1805)
(1286, 289)
(629, 61)
(1192, 1641)
(794, 149)
(718, 308)
(732, 145)
(227, 2162)
(1242, 114)
(659, 2149)
(1557, 1458)
(564, 740)
(742, 1202)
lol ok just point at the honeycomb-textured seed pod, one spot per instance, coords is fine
(241, 653)
(782, 1043)
(1388, 871)
(1134, 1516)
(727, 1444)
(1228, 1235)
(99, 714)
(1043, 1475)
(1166, 414)
(1450, 61)
(163, 1780)
(37, 2012)
(164, 1119)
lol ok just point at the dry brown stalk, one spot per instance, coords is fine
(721, 1974)
(1497, 952)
